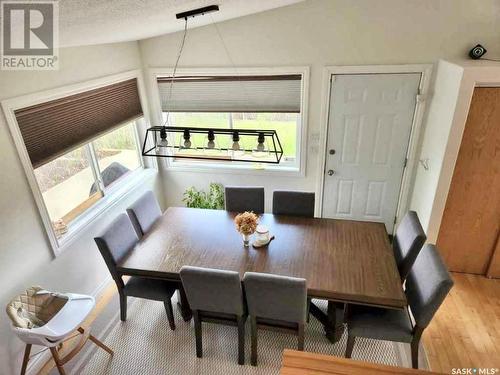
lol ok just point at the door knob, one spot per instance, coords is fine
(331, 172)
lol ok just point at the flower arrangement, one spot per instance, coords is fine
(246, 223)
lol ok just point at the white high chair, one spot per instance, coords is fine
(41, 317)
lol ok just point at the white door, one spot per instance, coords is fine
(369, 127)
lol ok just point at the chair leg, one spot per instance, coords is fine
(197, 332)
(253, 334)
(57, 360)
(300, 337)
(241, 340)
(417, 334)
(26, 358)
(123, 306)
(170, 313)
(350, 346)
(309, 301)
(100, 344)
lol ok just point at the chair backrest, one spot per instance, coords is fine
(144, 212)
(213, 290)
(241, 199)
(427, 285)
(295, 203)
(116, 241)
(276, 297)
(407, 243)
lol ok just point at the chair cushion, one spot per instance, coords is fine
(380, 324)
(157, 290)
(34, 308)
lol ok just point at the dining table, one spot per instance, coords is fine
(343, 261)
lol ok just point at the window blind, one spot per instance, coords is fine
(272, 93)
(53, 128)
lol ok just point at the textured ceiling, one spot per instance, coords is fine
(85, 22)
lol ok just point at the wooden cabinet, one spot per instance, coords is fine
(471, 220)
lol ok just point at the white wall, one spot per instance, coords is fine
(325, 32)
(445, 129)
(25, 255)
(439, 120)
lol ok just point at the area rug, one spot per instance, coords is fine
(144, 344)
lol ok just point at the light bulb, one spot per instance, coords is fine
(187, 144)
(162, 142)
(236, 146)
(211, 145)
(187, 139)
(261, 147)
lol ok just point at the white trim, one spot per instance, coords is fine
(11, 105)
(408, 174)
(300, 171)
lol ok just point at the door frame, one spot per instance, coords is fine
(425, 70)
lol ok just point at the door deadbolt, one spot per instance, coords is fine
(331, 172)
(331, 152)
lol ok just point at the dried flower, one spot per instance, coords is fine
(246, 223)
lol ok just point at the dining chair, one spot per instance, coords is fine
(275, 302)
(117, 241)
(427, 285)
(144, 212)
(215, 296)
(241, 199)
(407, 243)
(293, 203)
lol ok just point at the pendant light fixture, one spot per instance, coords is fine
(158, 135)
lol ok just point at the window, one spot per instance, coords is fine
(75, 181)
(79, 148)
(257, 102)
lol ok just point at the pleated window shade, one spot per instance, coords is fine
(272, 93)
(53, 128)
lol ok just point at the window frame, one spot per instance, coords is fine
(297, 170)
(111, 195)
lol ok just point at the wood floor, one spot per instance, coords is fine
(465, 333)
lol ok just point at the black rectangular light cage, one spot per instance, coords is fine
(160, 142)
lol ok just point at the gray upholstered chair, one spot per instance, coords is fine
(407, 243)
(115, 243)
(215, 296)
(241, 199)
(294, 203)
(275, 302)
(144, 212)
(427, 285)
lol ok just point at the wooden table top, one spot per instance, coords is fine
(304, 363)
(347, 261)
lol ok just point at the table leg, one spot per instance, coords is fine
(335, 327)
(183, 304)
(332, 321)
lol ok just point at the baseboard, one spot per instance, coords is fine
(36, 364)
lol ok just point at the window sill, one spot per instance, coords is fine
(113, 196)
(240, 169)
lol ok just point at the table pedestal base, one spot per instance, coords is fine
(333, 320)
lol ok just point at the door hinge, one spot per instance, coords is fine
(405, 163)
(395, 219)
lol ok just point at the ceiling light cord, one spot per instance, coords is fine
(179, 54)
